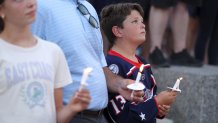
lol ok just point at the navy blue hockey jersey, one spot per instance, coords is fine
(121, 110)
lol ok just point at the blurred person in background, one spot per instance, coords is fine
(174, 13)
(207, 39)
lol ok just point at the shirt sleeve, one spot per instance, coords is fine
(102, 55)
(103, 60)
(62, 76)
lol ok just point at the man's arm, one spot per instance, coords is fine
(118, 84)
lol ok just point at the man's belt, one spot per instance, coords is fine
(91, 113)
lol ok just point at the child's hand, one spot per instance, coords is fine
(80, 101)
(166, 97)
(163, 110)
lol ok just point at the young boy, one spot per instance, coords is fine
(123, 25)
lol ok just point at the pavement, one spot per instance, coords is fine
(165, 120)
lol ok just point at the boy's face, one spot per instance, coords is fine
(134, 28)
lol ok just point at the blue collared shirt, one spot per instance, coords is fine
(59, 21)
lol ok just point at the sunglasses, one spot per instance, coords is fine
(83, 10)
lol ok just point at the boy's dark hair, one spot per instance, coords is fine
(114, 15)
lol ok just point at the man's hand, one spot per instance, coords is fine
(117, 84)
(137, 96)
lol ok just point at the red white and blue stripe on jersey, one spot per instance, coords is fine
(120, 110)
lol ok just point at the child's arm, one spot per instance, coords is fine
(166, 97)
(164, 100)
(78, 103)
(163, 111)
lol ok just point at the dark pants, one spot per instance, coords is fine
(208, 31)
(87, 117)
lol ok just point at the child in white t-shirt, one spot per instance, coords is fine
(32, 71)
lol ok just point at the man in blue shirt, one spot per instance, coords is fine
(74, 26)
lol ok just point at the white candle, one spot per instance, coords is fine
(176, 86)
(137, 85)
(139, 73)
(85, 75)
(138, 77)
